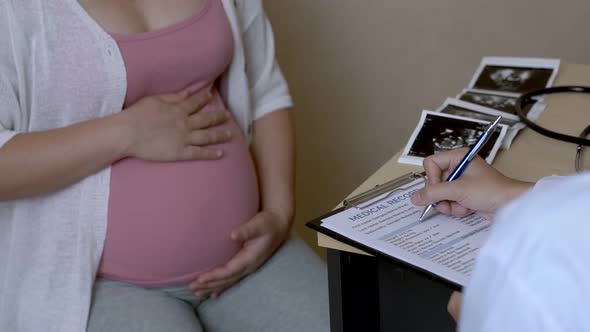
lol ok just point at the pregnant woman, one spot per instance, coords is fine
(146, 171)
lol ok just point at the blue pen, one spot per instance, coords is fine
(481, 142)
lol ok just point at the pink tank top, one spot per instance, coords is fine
(170, 221)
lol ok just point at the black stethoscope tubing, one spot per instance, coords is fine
(529, 99)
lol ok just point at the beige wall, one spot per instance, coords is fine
(361, 70)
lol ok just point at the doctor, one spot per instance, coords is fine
(533, 272)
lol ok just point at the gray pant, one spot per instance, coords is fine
(288, 293)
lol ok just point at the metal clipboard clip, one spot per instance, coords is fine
(389, 187)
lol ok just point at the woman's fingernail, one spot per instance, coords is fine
(219, 153)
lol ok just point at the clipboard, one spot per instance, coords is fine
(367, 199)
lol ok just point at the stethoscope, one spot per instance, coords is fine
(531, 98)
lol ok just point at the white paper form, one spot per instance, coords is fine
(442, 245)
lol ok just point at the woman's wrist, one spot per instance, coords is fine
(283, 214)
(123, 127)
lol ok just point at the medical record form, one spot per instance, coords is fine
(442, 246)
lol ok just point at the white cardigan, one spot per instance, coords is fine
(59, 67)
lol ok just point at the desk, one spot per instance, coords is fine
(373, 294)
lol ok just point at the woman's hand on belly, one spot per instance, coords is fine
(170, 127)
(261, 237)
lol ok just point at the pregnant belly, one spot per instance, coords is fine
(168, 222)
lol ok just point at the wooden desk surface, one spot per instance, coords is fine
(531, 157)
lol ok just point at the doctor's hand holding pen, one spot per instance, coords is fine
(480, 189)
